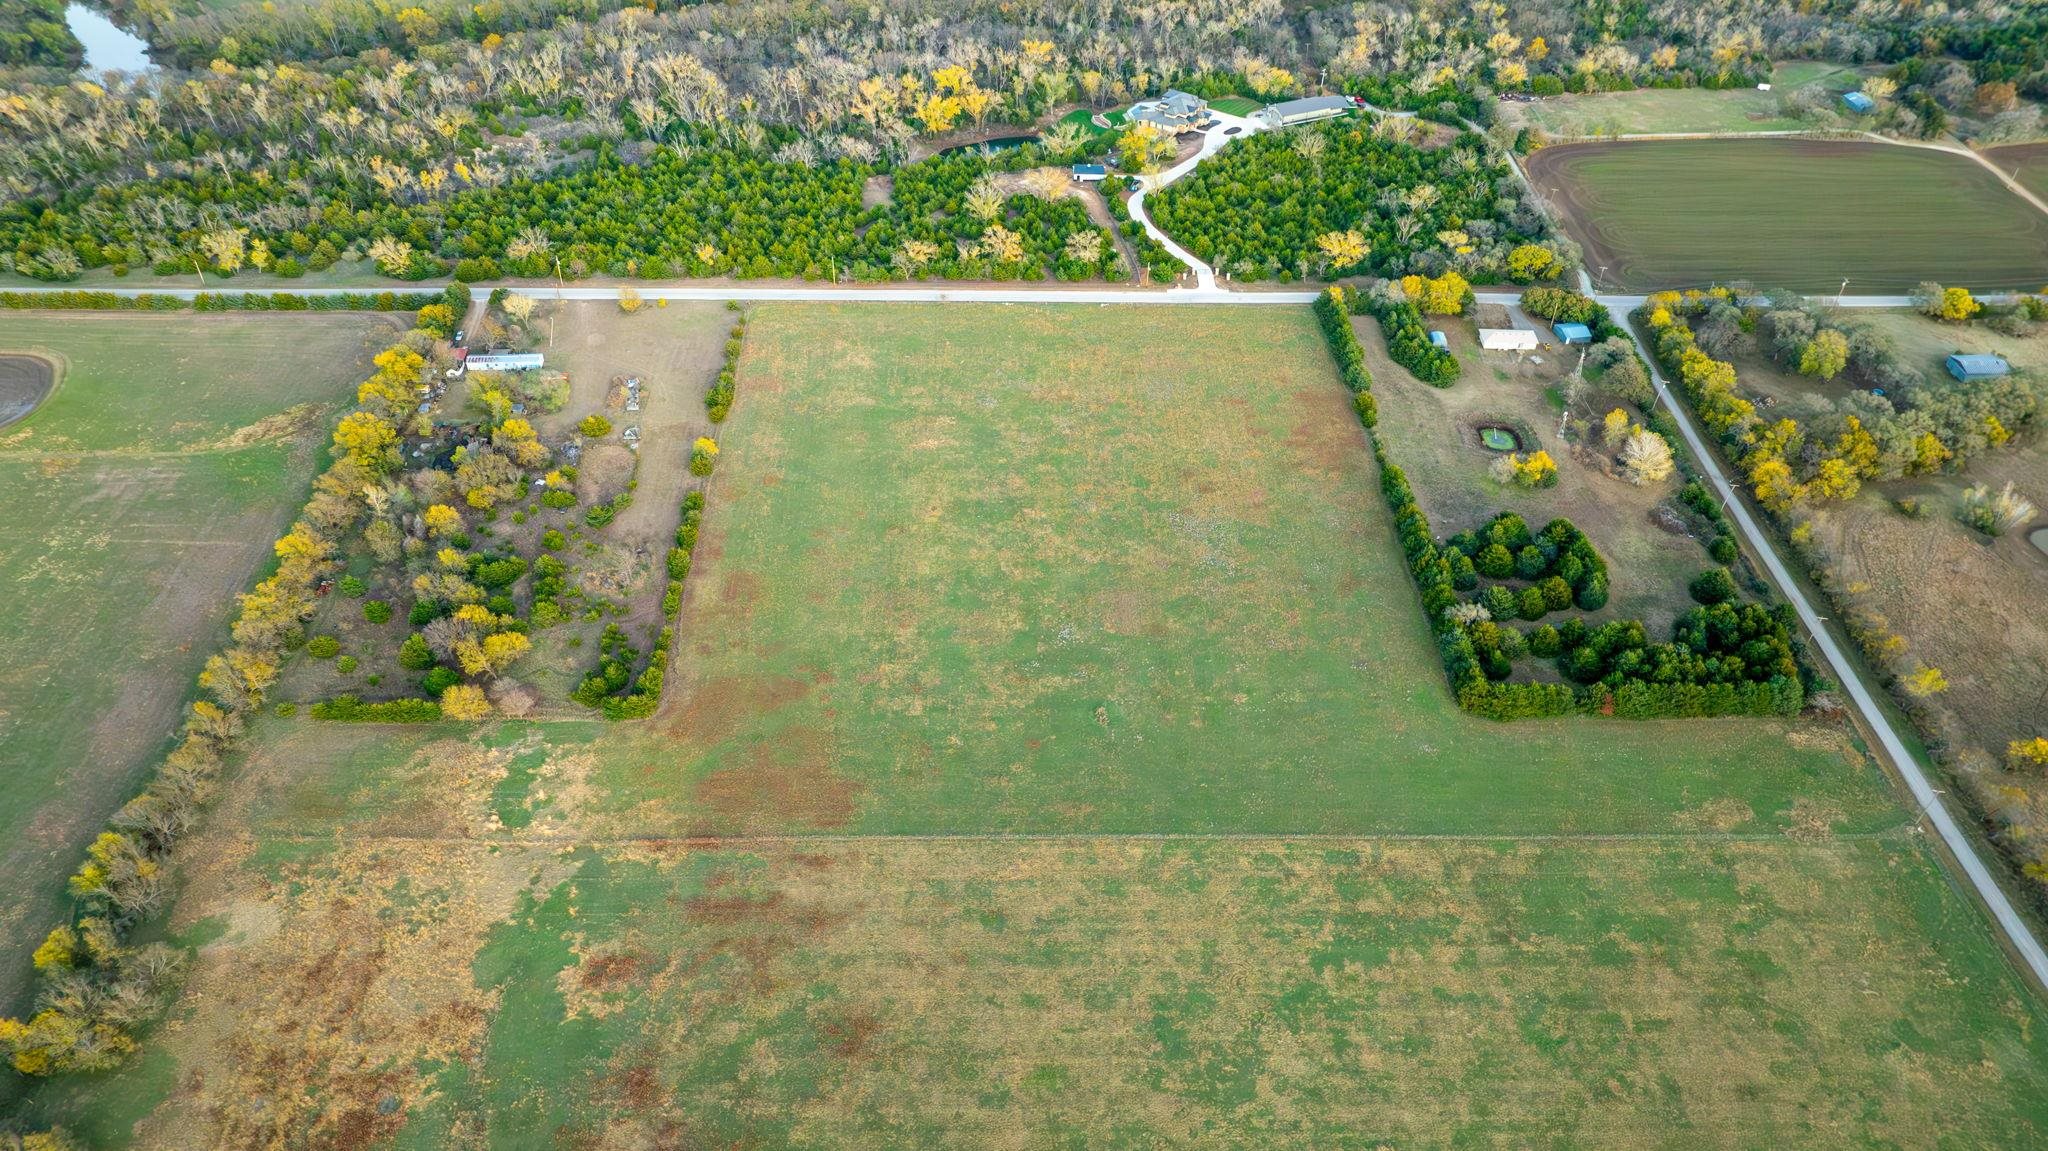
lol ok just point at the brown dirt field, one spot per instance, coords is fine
(1430, 433)
(676, 353)
(1965, 604)
(2026, 163)
(339, 975)
(25, 382)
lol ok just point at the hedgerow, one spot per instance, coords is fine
(348, 708)
(1407, 336)
(1722, 659)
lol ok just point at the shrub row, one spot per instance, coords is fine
(347, 708)
(718, 401)
(601, 688)
(1698, 499)
(1408, 338)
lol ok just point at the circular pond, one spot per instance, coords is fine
(1500, 439)
(25, 382)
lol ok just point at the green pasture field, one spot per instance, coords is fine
(1054, 755)
(140, 498)
(1653, 110)
(1799, 214)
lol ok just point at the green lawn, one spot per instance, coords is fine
(1084, 119)
(1094, 784)
(1791, 213)
(1651, 110)
(135, 512)
(1236, 105)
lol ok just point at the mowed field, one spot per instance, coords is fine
(1055, 756)
(1797, 214)
(140, 498)
(1683, 109)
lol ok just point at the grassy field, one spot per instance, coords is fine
(1790, 213)
(141, 496)
(1654, 110)
(1056, 757)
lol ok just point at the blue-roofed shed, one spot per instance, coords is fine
(1089, 173)
(1440, 340)
(1965, 366)
(1572, 333)
(1858, 102)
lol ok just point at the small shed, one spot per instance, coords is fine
(1090, 173)
(1569, 333)
(1858, 102)
(1965, 366)
(1440, 340)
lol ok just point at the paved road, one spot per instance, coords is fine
(2008, 918)
(914, 294)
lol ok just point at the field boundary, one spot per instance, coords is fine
(1905, 829)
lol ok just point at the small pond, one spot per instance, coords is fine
(108, 47)
(25, 382)
(1500, 439)
(995, 145)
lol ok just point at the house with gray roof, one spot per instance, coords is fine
(1303, 111)
(1966, 366)
(1173, 113)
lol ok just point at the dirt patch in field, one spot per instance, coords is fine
(295, 421)
(603, 473)
(786, 781)
(25, 382)
(715, 710)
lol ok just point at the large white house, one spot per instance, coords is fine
(1173, 113)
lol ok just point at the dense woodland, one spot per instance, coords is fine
(33, 32)
(1262, 207)
(296, 135)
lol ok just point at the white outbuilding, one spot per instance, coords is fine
(1507, 339)
(1498, 332)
